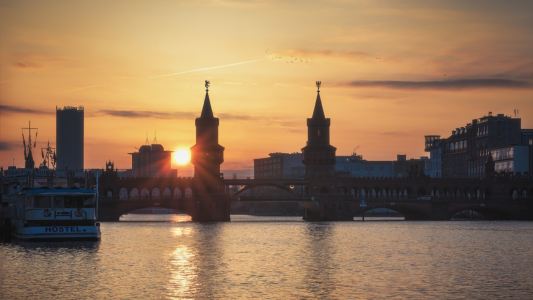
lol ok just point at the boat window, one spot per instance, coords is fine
(78, 201)
(89, 202)
(42, 202)
(59, 202)
(28, 201)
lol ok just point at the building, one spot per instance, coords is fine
(511, 159)
(279, 165)
(289, 165)
(69, 138)
(434, 163)
(152, 161)
(318, 155)
(466, 152)
(356, 166)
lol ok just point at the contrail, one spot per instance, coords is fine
(235, 64)
(82, 88)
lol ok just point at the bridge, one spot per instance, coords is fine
(325, 195)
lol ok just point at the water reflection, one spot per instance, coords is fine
(277, 260)
(183, 273)
(319, 278)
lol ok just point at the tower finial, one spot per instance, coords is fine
(318, 84)
(207, 85)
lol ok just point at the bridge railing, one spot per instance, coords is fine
(410, 198)
(106, 199)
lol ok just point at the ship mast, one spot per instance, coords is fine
(28, 156)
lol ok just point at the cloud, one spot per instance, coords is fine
(38, 61)
(209, 68)
(353, 55)
(168, 115)
(16, 109)
(146, 114)
(26, 65)
(458, 84)
(5, 146)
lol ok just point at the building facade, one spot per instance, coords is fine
(468, 150)
(152, 161)
(69, 138)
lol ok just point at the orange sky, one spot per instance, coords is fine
(391, 72)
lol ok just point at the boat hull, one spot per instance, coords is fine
(60, 233)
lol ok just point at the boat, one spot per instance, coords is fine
(46, 214)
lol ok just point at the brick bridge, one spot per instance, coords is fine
(325, 196)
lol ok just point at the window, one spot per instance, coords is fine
(319, 133)
(42, 202)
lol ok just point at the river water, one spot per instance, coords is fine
(277, 258)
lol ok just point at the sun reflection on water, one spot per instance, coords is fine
(181, 231)
(182, 281)
(181, 218)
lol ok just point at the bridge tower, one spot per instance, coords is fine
(212, 204)
(318, 155)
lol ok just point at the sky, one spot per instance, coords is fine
(391, 72)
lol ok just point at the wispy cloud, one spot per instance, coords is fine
(4, 146)
(458, 84)
(308, 54)
(210, 68)
(16, 109)
(146, 114)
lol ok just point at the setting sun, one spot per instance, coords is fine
(182, 156)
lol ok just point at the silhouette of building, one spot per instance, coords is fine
(152, 161)
(467, 150)
(318, 155)
(279, 165)
(69, 138)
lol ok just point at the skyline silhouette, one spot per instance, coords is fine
(392, 73)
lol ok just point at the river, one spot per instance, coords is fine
(277, 258)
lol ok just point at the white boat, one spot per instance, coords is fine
(52, 214)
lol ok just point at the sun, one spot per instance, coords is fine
(182, 156)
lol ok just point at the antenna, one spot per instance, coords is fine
(155, 137)
(49, 157)
(147, 142)
(318, 84)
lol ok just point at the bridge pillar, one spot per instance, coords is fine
(328, 210)
(211, 211)
(439, 211)
(107, 212)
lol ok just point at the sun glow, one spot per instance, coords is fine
(182, 156)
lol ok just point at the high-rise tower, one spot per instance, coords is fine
(69, 138)
(207, 155)
(318, 154)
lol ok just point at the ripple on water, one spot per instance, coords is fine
(277, 257)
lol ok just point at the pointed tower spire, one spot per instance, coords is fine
(207, 111)
(318, 113)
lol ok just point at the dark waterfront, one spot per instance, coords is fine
(277, 257)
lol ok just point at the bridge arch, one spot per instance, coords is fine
(488, 212)
(134, 193)
(409, 212)
(177, 193)
(123, 194)
(167, 193)
(155, 193)
(282, 187)
(188, 193)
(145, 193)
